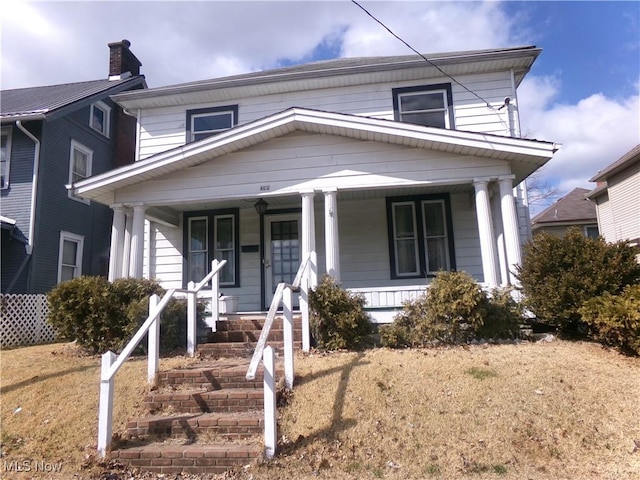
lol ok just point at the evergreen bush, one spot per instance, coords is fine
(559, 274)
(453, 310)
(615, 319)
(103, 316)
(337, 317)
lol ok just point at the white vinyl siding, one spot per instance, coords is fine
(165, 128)
(301, 161)
(70, 256)
(622, 221)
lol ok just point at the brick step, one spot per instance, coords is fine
(199, 459)
(215, 375)
(253, 323)
(206, 401)
(222, 426)
(238, 349)
(276, 335)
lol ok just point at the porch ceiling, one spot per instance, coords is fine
(294, 201)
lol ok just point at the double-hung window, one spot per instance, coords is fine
(70, 256)
(100, 118)
(205, 122)
(208, 236)
(420, 236)
(429, 106)
(80, 162)
(5, 157)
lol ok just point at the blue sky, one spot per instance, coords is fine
(581, 92)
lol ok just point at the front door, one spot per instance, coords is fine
(282, 251)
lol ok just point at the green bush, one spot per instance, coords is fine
(453, 310)
(615, 319)
(559, 274)
(103, 316)
(337, 317)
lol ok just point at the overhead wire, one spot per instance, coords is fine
(488, 105)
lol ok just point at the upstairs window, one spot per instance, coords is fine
(5, 157)
(79, 165)
(420, 236)
(205, 122)
(100, 118)
(429, 106)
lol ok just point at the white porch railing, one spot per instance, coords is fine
(112, 363)
(284, 294)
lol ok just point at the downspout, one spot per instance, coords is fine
(34, 185)
(32, 212)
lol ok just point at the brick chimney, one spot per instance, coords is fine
(122, 62)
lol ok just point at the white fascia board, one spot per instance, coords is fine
(298, 118)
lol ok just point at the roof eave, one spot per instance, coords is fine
(137, 99)
(312, 120)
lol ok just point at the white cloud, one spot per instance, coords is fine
(594, 132)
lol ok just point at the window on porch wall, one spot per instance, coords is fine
(209, 237)
(420, 238)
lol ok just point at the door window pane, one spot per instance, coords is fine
(285, 252)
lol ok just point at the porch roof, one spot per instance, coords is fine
(524, 155)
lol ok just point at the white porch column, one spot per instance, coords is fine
(126, 244)
(117, 242)
(510, 226)
(332, 242)
(310, 278)
(485, 229)
(137, 242)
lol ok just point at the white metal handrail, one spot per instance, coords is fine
(112, 363)
(264, 353)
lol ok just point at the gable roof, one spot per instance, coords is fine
(574, 207)
(628, 159)
(39, 102)
(525, 154)
(340, 72)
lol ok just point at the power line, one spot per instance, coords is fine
(426, 59)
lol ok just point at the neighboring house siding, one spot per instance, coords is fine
(57, 212)
(16, 204)
(16, 200)
(301, 161)
(624, 197)
(605, 217)
(164, 128)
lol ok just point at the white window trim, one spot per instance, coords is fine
(75, 145)
(205, 250)
(427, 237)
(79, 240)
(233, 241)
(210, 114)
(416, 239)
(7, 131)
(106, 109)
(445, 110)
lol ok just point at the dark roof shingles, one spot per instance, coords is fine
(573, 207)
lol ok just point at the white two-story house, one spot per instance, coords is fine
(383, 170)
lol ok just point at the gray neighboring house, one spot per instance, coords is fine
(572, 210)
(53, 136)
(617, 198)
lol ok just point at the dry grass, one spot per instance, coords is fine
(49, 408)
(540, 411)
(543, 411)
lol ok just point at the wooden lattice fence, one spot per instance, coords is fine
(23, 320)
